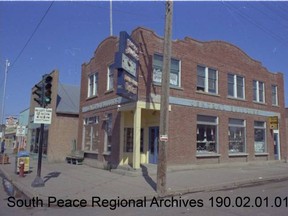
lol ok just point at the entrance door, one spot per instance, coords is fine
(276, 145)
(153, 144)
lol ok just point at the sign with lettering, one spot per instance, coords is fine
(20, 131)
(273, 122)
(42, 115)
(126, 61)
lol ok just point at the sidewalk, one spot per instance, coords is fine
(66, 181)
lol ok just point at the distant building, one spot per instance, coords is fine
(221, 101)
(22, 129)
(10, 130)
(61, 135)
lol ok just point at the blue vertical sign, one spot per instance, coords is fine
(126, 61)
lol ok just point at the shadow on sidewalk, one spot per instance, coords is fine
(51, 175)
(147, 178)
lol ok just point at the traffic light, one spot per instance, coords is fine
(39, 94)
(47, 89)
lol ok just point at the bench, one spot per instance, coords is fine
(76, 157)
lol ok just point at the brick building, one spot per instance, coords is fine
(220, 103)
(61, 134)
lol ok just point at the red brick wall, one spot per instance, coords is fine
(225, 58)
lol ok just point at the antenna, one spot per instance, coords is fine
(111, 24)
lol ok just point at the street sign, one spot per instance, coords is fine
(42, 115)
(20, 131)
(163, 138)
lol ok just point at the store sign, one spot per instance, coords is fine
(42, 115)
(126, 61)
(273, 122)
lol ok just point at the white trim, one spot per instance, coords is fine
(214, 106)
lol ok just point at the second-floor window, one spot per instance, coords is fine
(174, 70)
(274, 95)
(207, 80)
(236, 87)
(258, 91)
(92, 85)
(110, 78)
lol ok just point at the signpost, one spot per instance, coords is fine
(42, 115)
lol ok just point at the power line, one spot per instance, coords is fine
(30, 38)
(251, 21)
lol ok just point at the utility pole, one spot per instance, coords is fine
(164, 111)
(4, 92)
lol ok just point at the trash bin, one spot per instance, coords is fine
(23, 156)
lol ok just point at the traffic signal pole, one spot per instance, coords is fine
(164, 112)
(44, 98)
(38, 181)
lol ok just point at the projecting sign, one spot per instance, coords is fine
(42, 115)
(126, 61)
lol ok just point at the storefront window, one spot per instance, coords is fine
(236, 134)
(91, 128)
(206, 134)
(108, 133)
(259, 137)
(128, 140)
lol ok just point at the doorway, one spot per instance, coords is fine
(276, 145)
(153, 144)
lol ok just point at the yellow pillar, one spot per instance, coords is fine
(122, 116)
(136, 139)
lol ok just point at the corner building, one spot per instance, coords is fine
(221, 101)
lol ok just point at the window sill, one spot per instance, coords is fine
(260, 103)
(275, 105)
(261, 154)
(106, 153)
(92, 97)
(203, 155)
(91, 152)
(238, 99)
(171, 86)
(207, 93)
(238, 154)
(108, 91)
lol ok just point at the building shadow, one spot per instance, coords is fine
(51, 175)
(147, 178)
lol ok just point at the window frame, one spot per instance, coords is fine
(173, 71)
(206, 124)
(235, 86)
(206, 88)
(128, 148)
(274, 95)
(263, 127)
(241, 125)
(108, 133)
(258, 91)
(92, 124)
(92, 85)
(110, 78)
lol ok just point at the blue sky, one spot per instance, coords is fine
(71, 31)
